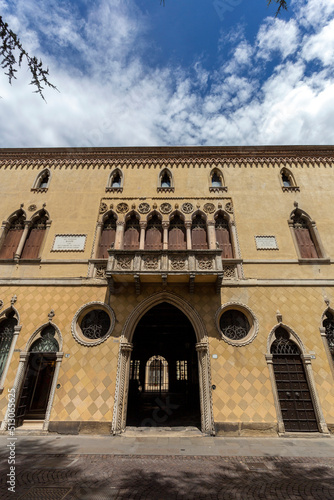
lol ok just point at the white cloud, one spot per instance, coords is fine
(110, 96)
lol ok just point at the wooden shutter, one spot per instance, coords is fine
(131, 237)
(223, 238)
(33, 243)
(198, 234)
(108, 236)
(153, 238)
(10, 244)
(177, 238)
(305, 244)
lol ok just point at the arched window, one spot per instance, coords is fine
(328, 324)
(165, 181)
(108, 235)
(7, 325)
(305, 236)
(153, 234)
(177, 234)
(223, 236)
(131, 234)
(287, 180)
(217, 181)
(198, 233)
(33, 243)
(156, 376)
(115, 181)
(42, 180)
(12, 236)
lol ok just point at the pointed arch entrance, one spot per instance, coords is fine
(296, 400)
(164, 388)
(167, 328)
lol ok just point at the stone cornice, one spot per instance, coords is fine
(172, 156)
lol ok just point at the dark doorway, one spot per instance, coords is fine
(292, 386)
(163, 385)
(37, 381)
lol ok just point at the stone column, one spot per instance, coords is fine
(211, 234)
(22, 240)
(17, 330)
(188, 230)
(315, 399)
(122, 388)
(207, 422)
(280, 423)
(120, 226)
(165, 226)
(97, 238)
(59, 357)
(24, 356)
(143, 225)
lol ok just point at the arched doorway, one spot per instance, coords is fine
(164, 380)
(293, 390)
(38, 377)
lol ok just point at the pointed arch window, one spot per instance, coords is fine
(217, 181)
(131, 234)
(7, 325)
(199, 235)
(153, 234)
(177, 234)
(108, 236)
(33, 244)
(156, 376)
(328, 324)
(223, 236)
(165, 183)
(287, 180)
(305, 236)
(12, 236)
(115, 181)
(42, 181)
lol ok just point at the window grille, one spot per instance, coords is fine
(181, 370)
(234, 325)
(283, 344)
(46, 342)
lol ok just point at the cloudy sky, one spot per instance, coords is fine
(195, 72)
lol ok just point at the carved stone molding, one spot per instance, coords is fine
(144, 208)
(253, 322)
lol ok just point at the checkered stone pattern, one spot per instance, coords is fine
(243, 389)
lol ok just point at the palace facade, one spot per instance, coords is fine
(175, 287)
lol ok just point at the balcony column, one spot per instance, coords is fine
(211, 234)
(165, 226)
(143, 225)
(188, 230)
(22, 240)
(120, 225)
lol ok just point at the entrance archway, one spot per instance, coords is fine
(163, 382)
(124, 359)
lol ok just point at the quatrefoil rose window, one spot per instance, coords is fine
(236, 324)
(93, 323)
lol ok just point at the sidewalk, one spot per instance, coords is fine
(168, 468)
(173, 445)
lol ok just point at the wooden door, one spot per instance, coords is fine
(36, 387)
(294, 394)
(153, 235)
(131, 236)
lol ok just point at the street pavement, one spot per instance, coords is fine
(167, 466)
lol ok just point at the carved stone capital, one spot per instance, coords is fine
(126, 347)
(120, 223)
(202, 347)
(142, 224)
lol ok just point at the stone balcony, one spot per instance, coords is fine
(166, 266)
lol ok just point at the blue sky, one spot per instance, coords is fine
(134, 73)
